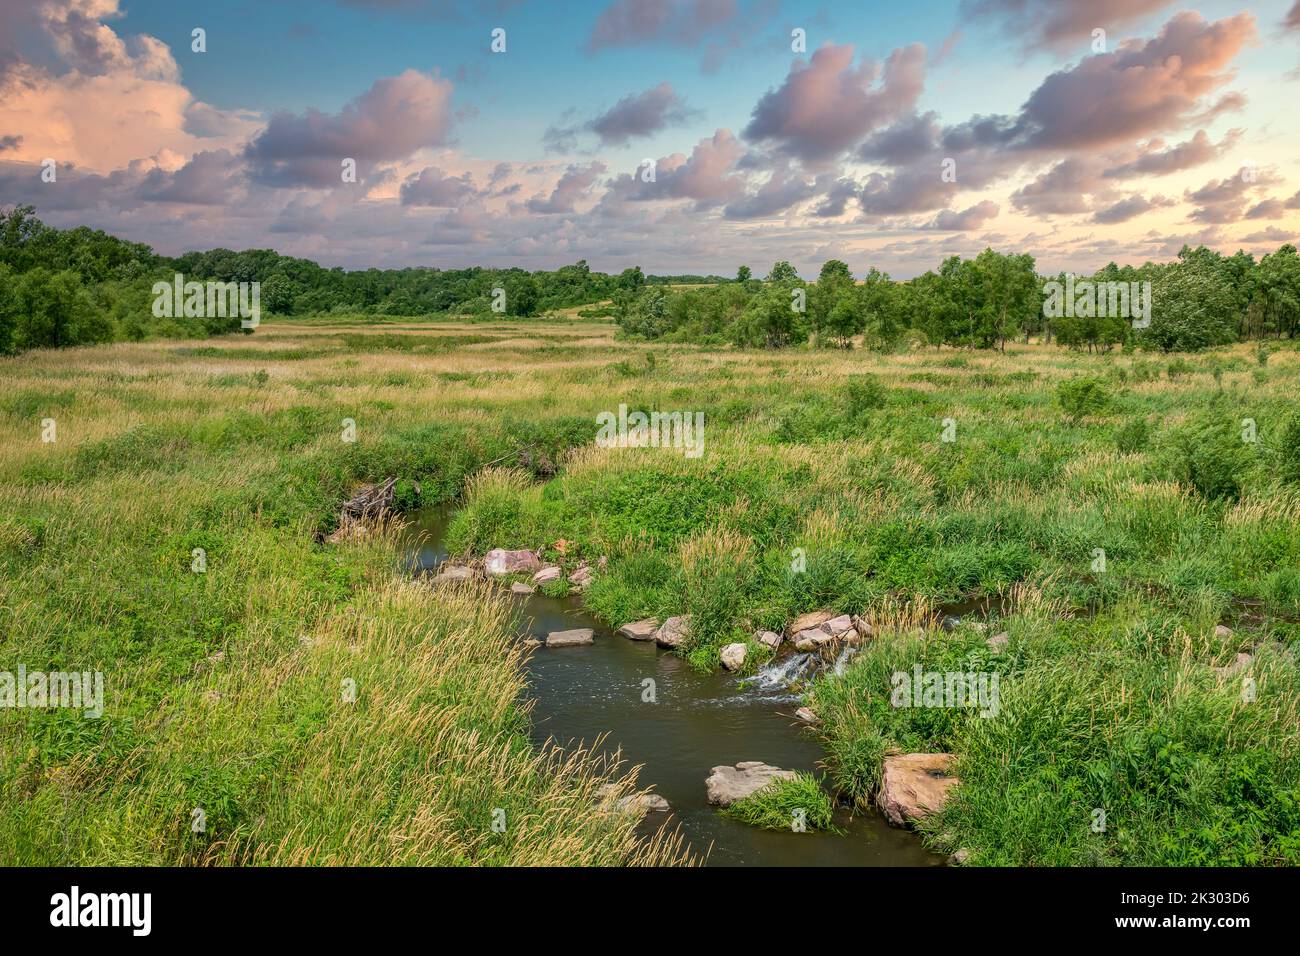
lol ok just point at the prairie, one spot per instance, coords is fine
(1129, 537)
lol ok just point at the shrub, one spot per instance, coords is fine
(1209, 454)
(1132, 436)
(1082, 396)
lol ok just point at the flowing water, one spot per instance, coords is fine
(698, 721)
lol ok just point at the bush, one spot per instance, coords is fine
(1210, 455)
(1082, 396)
(1132, 436)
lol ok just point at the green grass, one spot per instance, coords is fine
(824, 483)
(785, 804)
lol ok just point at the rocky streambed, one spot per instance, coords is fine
(633, 694)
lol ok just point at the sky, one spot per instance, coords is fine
(684, 136)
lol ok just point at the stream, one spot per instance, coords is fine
(698, 721)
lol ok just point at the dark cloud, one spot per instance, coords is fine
(10, 142)
(208, 179)
(1129, 208)
(1153, 160)
(432, 187)
(635, 115)
(782, 190)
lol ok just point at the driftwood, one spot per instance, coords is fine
(371, 501)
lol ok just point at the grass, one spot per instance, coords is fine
(825, 482)
(786, 804)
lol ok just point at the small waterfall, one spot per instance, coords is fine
(780, 674)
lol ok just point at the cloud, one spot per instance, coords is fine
(1129, 208)
(10, 142)
(432, 187)
(968, 219)
(1155, 161)
(1292, 21)
(209, 178)
(395, 117)
(826, 105)
(782, 190)
(1059, 25)
(1224, 200)
(634, 116)
(573, 185)
(638, 22)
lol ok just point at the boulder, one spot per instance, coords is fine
(829, 630)
(638, 803)
(865, 630)
(640, 630)
(518, 587)
(733, 656)
(574, 638)
(1242, 663)
(1222, 631)
(548, 574)
(580, 578)
(726, 785)
(912, 786)
(500, 562)
(674, 631)
(806, 715)
(810, 620)
(998, 642)
(959, 858)
(448, 573)
(532, 643)
(769, 639)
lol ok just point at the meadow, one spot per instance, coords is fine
(864, 482)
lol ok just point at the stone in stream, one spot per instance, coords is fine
(806, 715)
(998, 642)
(674, 631)
(638, 803)
(581, 578)
(449, 573)
(574, 638)
(733, 656)
(500, 562)
(548, 574)
(769, 639)
(519, 587)
(726, 785)
(643, 630)
(912, 786)
(865, 630)
(831, 629)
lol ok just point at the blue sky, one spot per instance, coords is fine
(473, 157)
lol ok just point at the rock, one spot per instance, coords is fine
(532, 643)
(548, 574)
(865, 630)
(838, 626)
(674, 631)
(1221, 631)
(806, 715)
(733, 656)
(912, 786)
(580, 578)
(574, 638)
(726, 785)
(830, 629)
(500, 562)
(806, 622)
(448, 573)
(959, 858)
(640, 630)
(769, 639)
(638, 803)
(1242, 663)
(998, 642)
(518, 587)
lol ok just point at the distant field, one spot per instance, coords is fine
(223, 687)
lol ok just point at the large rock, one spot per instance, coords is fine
(500, 562)
(769, 639)
(733, 656)
(519, 587)
(548, 574)
(449, 573)
(674, 631)
(810, 620)
(581, 578)
(640, 630)
(726, 785)
(912, 786)
(636, 803)
(574, 638)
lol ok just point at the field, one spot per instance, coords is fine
(1111, 528)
